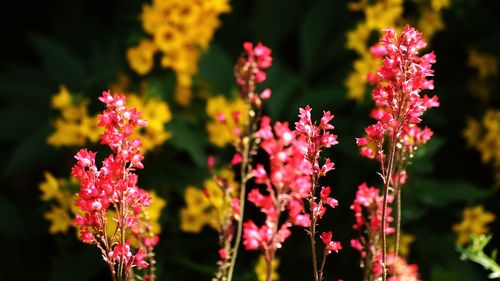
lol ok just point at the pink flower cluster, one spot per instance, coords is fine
(398, 269)
(287, 184)
(249, 71)
(367, 207)
(317, 137)
(294, 171)
(113, 187)
(401, 78)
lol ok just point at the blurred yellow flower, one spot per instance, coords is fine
(486, 65)
(221, 128)
(430, 22)
(179, 28)
(141, 58)
(60, 221)
(261, 269)
(405, 241)
(50, 187)
(437, 5)
(74, 127)
(473, 223)
(484, 137)
(61, 99)
(158, 114)
(210, 206)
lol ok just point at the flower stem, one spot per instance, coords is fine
(388, 178)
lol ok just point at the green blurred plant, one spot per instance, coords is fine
(475, 253)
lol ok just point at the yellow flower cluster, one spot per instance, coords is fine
(209, 206)
(178, 30)
(484, 136)
(487, 69)
(380, 14)
(75, 126)
(222, 132)
(60, 193)
(261, 269)
(473, 223)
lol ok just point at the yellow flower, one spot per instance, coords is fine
(59, 219)
(472, 132)
(179, 29)
(50, 188)
(141, 58)
(405, 240)
(261, 269)
(437, 5)
(474, 222)
(153, 212)
(222, 133)
(192, 221)
(61, 99)
(485, 64)
(196, 200)
(430, 22)
(157, 113)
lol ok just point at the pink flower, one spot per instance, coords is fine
(330, 245)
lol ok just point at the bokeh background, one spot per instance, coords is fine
(57, 57)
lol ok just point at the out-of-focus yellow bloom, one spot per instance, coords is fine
(483, 136)
(222, 126)
(141, 58)
(486, 65)
(261, 269)
(430, 22)
(210, 206)
(381, 14)
(50, 188)
(62, 99)
(405, 241)
(59, 192)
(180, 29)
(74, 126)
(59, 218)
(473, 223)
(153, 212)
(438, 5)
(157, 113)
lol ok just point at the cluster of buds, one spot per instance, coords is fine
(249, 71)
(113, 189)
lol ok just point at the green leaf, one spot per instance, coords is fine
(71, 265)
(284, 85)
(271, 24)
(188, 138)
(30, 152)
(60, 65)
(12, 223)
(443, 193)
(321, 19)
(216, 67)
(26, 117)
